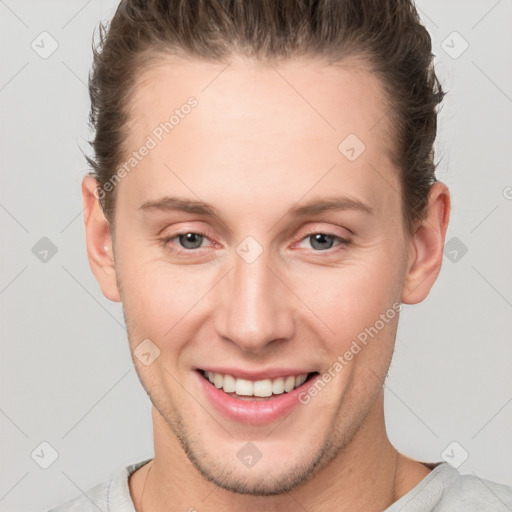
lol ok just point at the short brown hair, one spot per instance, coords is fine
(386, 34)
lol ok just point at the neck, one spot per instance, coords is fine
(368, 474)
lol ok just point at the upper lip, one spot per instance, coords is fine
(269, 373)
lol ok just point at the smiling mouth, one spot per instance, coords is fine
(265, 389)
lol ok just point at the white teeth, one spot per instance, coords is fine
(289, 384)
(242, 387)
(229, 384)
(259, 388)
(278, 386)
(217, 380)
(300, 380)
(263, 388)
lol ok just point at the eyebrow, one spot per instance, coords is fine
(180, 204)
(337, 203)
(314, 207)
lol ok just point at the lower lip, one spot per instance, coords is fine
(257, 412)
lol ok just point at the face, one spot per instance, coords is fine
(248, 245)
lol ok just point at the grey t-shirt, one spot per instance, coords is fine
(444, 489)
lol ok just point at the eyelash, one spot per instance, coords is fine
(342, 241)
(165, 241)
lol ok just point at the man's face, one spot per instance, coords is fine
(268, 292)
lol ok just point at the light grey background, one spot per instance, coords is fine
(67, 377)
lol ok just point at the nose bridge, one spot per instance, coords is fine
(255, 310)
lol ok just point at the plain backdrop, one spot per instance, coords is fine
(67, 378)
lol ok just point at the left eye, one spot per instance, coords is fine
(189, 241)
(324, 241)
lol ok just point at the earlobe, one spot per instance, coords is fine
(99, 241)
(427, 244)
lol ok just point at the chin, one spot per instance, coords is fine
(289, 466)
(251, 482)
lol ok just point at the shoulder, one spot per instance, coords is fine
(110, 496)
(472, 493)
(444, 489)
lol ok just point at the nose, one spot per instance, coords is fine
(255, 307)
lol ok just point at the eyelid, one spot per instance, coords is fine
(314, 228)
(343, 241)
(166, 240)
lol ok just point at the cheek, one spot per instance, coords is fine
(157, 296)
(356, 305)
(353, 293)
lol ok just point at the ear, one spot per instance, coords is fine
(99, 240)
(426, 246)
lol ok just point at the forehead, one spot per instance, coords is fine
(331, 99)
(261, 125)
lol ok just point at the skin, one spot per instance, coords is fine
(253, 148)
